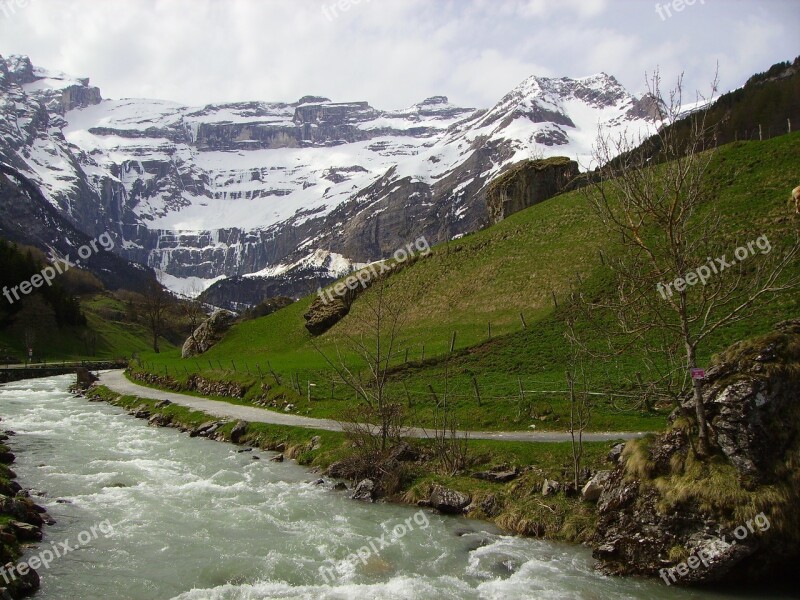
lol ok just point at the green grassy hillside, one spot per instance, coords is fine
(492, 276)
(108, 334)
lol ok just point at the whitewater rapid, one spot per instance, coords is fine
(195, 519)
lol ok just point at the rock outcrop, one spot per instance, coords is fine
(528, 183)
(322, 315)
(448, 501)
(208, 333)
(130, 167)
(727, 518)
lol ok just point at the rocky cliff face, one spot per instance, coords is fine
(733, 517)
(26, 217)
(528, 183)
(226, 191)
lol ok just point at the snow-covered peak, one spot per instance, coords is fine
(261, 188)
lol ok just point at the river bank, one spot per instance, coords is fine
(21, 524)
(489, 491)
(656, 488)
(194, 520)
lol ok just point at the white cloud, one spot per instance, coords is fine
(390, 52)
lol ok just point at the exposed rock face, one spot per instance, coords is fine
(26, 217)
(731, 517)
(322, 315)
(529, 183)
(208, 333)
(130, 167)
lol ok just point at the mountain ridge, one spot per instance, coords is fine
(223, 191)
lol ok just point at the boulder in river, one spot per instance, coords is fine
(364, 491)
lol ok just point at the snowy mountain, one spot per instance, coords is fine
(293, 194)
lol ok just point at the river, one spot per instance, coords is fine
(189, 519)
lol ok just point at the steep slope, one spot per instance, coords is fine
(230, 190)
(26, 217)
(491, 277)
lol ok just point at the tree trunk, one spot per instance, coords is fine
(700, 410)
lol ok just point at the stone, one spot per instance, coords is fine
(238, 431)
(448, 501)
(322, 315)
(278, 459)
(338, 470)
(26, 532)
(404, 452)
(750, 398)
(527, 183)
(615, 454)
(85, 378)
(497, 476)
(491, 506)
(205, 429)
(550, 487)
(365, 491)
(159, 420)
(208, 333)
(594, 487)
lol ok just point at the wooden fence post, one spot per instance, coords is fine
(453, 342)
(477, 391)
(409, 401)
(274, 374)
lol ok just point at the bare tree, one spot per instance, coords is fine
(580, 403)
(664, 218)
(155, 305)
(192, 309)
(373, 342)
(450, 447)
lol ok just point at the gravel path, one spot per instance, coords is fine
(116, 381)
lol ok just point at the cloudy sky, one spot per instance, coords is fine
(391, 52)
